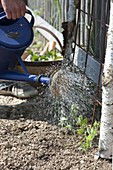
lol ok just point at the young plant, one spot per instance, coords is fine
(79, 124)
(87, 132)
(49, 56)
(69, 121)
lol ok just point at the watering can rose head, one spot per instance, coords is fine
(59, 84)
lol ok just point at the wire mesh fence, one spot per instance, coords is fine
(92, 26)
(91, 33)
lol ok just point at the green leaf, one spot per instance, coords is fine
(89, 138)
(35, 57)
(84, 121)
(81, 131)
(79, 121)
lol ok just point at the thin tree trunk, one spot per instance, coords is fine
(68, 27)
(106, 129)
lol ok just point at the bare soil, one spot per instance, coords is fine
(30, 139)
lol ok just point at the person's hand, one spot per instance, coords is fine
(14, 8)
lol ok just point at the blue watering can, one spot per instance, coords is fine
(15, 37)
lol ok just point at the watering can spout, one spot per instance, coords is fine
(44, 80)
(16, 76)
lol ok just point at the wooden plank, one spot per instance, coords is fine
(41, 22)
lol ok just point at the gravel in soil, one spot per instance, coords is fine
(30, 140)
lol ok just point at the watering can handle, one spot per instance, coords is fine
(3, 15)
(32, 17)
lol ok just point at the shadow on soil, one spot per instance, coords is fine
(41, 107)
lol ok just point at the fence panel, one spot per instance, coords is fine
(53, 12)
